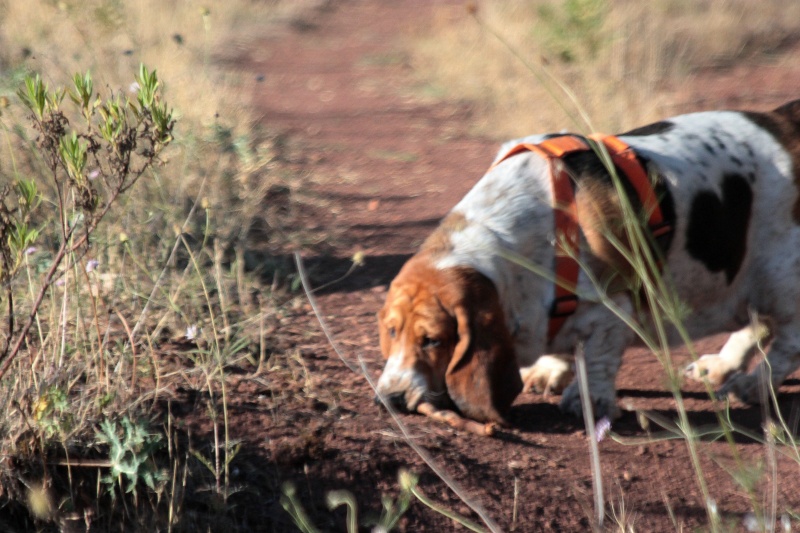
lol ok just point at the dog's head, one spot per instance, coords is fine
(444, 338)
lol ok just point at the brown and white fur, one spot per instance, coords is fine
(463, 324)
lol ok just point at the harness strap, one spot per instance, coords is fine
(567, 229)
(625, 159)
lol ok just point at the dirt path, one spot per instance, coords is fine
(384, 166)
(340, 89)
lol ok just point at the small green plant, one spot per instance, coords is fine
(291, 505)
(131, 449)
(575, 28)
(51, 413)
(392, 512)
(91, 164)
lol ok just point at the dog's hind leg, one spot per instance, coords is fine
(775, 294)
(782, 359)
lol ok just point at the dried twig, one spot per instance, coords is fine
(456, 421)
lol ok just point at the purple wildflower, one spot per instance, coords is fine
(602, 427)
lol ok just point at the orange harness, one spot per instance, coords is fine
(567, 229)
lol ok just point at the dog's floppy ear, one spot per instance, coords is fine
(483, 377)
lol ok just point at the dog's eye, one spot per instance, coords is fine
(392, 332)
(428, 342)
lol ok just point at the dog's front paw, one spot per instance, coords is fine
(711, 368)
(549, 375)
(743, 387)
(603, 404)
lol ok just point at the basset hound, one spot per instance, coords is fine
(532, 263)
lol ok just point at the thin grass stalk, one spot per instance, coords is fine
(789, 439)
(217, 469)
(35, 359)
(544, 80)
(156, 370)
(363, 371)
(648, 268)
(768, 518)
(157, 285)
(217, 351)
(221, 290)
(171, 508)
(95, 321)
(32, 296)
(661, 297)
(594, 452)
(171, 301)
(62, 326)
(337, 498)
(598, 295)
(422, 497)
(226, 428)
(206, 294)
(516, 503)
(772, 504)
(221, 364)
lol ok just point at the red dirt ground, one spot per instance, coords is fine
(383, 167)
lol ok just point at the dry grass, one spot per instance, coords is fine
(622, 59)
(111, 37)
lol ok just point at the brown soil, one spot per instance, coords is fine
(382, 167)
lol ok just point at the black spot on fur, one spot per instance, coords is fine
(708, 147)
(736, 161)
(717, 231)
(651, 129)
(720, 144)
